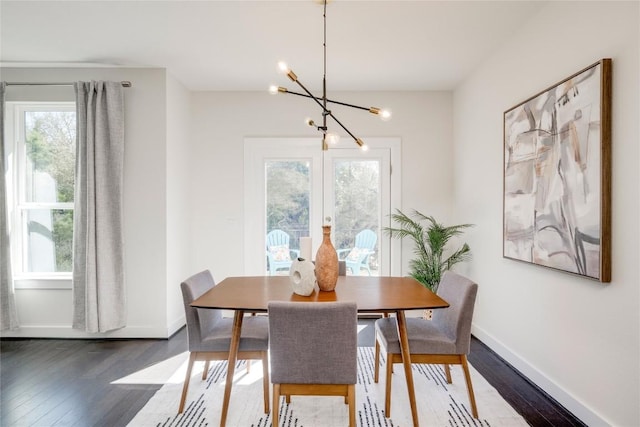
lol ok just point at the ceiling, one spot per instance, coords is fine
(235, 44)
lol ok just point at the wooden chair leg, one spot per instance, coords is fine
(265, 381)
(351, 396)
(287, 398)
(387, 387)
(467, 377)
(185, 387)
(205, 370)
(376, 369)
(447, 372)
(275, 408)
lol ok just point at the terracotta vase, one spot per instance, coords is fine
(326, 262)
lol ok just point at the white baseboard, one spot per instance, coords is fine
(176, 325)
(577, 408)
(66, 332)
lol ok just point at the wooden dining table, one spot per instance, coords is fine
(370, 293)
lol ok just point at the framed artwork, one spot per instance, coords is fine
(557, 176)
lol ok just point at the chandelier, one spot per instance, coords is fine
(327, 137)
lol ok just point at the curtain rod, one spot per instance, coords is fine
(124, 84)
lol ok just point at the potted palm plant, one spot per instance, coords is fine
(430, 243)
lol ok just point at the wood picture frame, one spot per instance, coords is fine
(557, 176)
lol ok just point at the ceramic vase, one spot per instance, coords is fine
(302, 277)
(326, 262)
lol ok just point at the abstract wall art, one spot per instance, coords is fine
(557, 176)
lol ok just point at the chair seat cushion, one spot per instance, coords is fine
(280, 252)
(424, 337)
(254, 336)
(356, 253)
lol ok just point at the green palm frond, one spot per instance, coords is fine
(430, 243)
(461, 255)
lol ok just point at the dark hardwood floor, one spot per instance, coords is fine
(535, 406)
(47, 382)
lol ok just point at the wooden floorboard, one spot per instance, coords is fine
(48, 382)
(535, 406)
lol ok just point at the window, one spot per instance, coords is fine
(288, 188)
(42, 171)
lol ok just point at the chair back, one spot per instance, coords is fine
(366, 239)
(313, 342)
(455, 321)
(277, 238)
(199, 321)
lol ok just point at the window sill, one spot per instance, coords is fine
(43, 282)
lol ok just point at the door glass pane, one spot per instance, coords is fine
(357, 208)
(50, 156)
(288, 191)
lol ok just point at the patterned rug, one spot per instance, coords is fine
(439, 403)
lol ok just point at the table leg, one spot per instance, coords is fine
(233, 355)
(406, 361)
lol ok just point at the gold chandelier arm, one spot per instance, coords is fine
(328, 112)
(372, 110)
(325, 111)
(343, 126)
(309, 95)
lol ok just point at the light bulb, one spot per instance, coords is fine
(365, 147)
(361, 144)
(385, 115)
(273, 90)
(283, 67)
(332, 138)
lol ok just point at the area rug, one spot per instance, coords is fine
(439, 403)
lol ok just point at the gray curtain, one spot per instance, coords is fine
(98, 259)
(8, 313)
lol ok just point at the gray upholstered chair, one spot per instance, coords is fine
(209, 334)
(342, 268)
(313, 351)
(444, 340)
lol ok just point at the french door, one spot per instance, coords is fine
(294, 186)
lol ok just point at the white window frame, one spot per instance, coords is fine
(16, 176)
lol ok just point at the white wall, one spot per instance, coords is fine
(184, 182)
(221, 121)
(577, 338)
(178, 199)
(47, 313)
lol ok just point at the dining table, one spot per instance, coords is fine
(372, 294)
